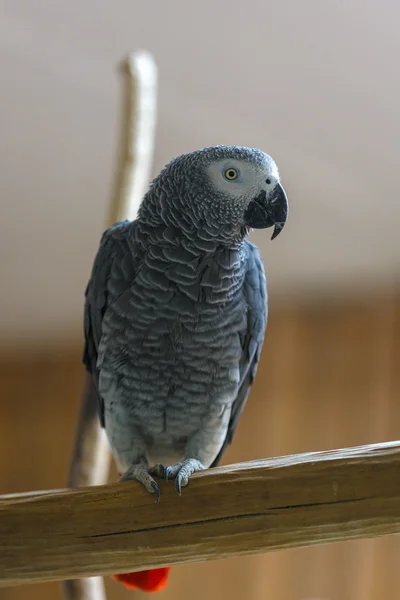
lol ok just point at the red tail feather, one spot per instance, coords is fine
(154, 580)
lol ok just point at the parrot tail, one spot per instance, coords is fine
(154, 580)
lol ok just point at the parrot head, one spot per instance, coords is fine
(230, 187)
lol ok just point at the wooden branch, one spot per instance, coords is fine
(246, 508)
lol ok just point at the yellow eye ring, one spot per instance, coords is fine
(231, 174)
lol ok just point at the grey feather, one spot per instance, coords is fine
(255, 294)
(108, 279)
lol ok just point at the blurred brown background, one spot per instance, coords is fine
(315, 84)
(328, 378)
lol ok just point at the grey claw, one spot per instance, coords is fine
(156, 490)
(178, 485)
(167, 471)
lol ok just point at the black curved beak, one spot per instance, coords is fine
(268, 210)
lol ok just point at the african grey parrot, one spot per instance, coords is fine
(176, 310)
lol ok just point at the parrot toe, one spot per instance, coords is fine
(158, 470)
(141, 473)
(182, 471)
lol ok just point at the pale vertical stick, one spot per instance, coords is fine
(91, 458)
(137, 136)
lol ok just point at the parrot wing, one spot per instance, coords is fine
(112, 274)
(255, 296)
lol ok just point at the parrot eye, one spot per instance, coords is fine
(231, 174)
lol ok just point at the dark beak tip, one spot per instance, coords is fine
(277, 229)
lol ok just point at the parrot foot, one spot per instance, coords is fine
(182, 471)
(143, 474)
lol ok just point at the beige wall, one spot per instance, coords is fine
(328, 378)
(314, 83)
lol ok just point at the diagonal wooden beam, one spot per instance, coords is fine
(247, 508)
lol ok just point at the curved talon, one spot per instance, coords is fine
(178, 486)
(168, 473)
(156, 490)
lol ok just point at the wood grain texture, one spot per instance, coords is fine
(246, 508)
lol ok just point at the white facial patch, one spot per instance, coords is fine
(251, 179)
